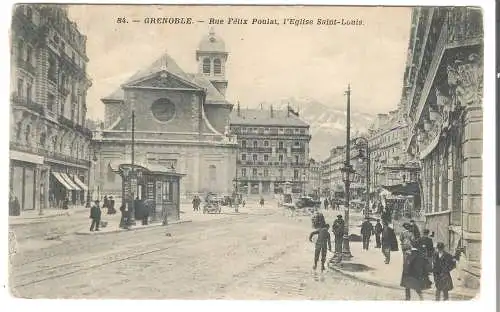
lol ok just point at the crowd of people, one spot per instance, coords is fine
(421, 258)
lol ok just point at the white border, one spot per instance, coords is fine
(488, 285)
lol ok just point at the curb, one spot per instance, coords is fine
(453, 294)
(132, 229)
(41, 218)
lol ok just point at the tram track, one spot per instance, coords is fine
(63, 269)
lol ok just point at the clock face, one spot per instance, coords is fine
(163, 109)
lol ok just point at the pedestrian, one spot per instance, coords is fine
(111, 206)
(322, 242)
(261, 202)
(338, 232)
(425, 245)
(124, 216)
(389, 242)
(195, 201)
(366, 232)
(325, 203)
(146, 209)
(105, 203)
(95, 215)
(443, 264)
(415, 230)
(415, 270)
(65, 204)
(406, 238)
(378, 232)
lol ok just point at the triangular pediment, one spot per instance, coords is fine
(163, 80)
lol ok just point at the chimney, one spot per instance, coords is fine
(288, 109)
(261, 106)
(238, 109)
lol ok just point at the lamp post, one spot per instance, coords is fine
(346, 250)
(365, 155)
(95, 175)
(133, 177)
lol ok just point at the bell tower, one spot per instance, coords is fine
(211, 56)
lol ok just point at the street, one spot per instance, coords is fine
(257, 254)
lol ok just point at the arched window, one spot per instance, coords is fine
(217, 66)
(19, 129)
(52, 72)
(29, 13)
(254, 144)
(43, 138)
(20, 51)
(206, 65)
(27, 133)
(212, 173)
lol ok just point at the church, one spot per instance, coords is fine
(181, 122)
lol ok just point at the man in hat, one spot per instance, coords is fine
(338, 231)
(406, 238)
(378, 232)
(366, 232)
(414, 273)
(443, 264)
(389, 242)
(95, 215)
(415, 230)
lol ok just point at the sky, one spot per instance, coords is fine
(266, 62)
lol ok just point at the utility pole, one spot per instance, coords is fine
(346, 250)
(133, 186)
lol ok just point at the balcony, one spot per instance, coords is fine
(298, 165)
(281, 150)
(27, 66)
(49, 154)
(66, 122)
(27, 103)
(298, 150)
(258, 149)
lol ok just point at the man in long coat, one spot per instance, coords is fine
(415, 271)
(389, 242)
(378, 232)
(95, 215)
(338, 231)
(443, 264)
(366, 233)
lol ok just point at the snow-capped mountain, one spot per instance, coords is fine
(328, 123)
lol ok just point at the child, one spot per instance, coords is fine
(322, 243)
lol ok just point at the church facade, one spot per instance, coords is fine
(180, 120)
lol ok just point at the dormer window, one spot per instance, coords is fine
(217, 66)
(206, 66)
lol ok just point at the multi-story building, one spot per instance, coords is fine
(49, 143)
(273, 150)
(313, 178)
(179, 121)
(390, 164)
(331, 175)
(443, 87)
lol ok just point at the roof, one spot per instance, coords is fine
(212, 43)
(259, 117)
(165, 62)
(213, 96)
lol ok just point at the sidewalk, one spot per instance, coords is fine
(368, 266)
(34, 216)
(187, 215)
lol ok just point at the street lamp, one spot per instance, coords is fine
(365, 155)
(95, 176)
(346, 171)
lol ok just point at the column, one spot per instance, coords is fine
(38, 188)
(272, 187)
(249, 188)
(47, 184)
(260, 187)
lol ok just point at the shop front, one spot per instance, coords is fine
(24, 177)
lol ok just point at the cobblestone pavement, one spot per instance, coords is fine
(261, 254)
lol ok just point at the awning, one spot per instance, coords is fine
(404, 189)
(80, 183)
(69, 182)
(61, 180)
